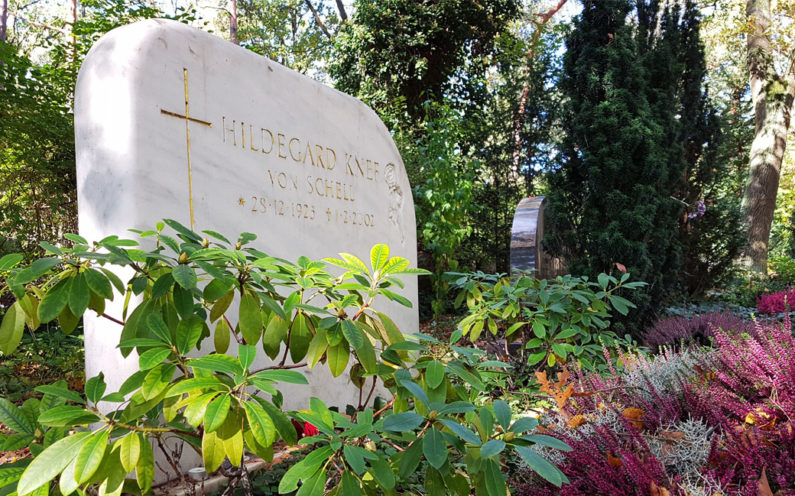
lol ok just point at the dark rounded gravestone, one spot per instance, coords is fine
(526, 235)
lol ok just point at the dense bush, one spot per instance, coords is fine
(780, 301)
(555, 320)
(672, 331)
(220, 404)
(694, 422)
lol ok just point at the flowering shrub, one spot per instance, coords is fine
(694, 422)
(778, 302)
(675, 330)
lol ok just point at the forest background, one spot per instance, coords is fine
(637, 118)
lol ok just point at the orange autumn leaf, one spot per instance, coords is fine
(561, 396)
(634, 415)
(577, 421)
(614, 461)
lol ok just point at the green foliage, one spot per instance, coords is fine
(407, 51)
(284, 31)
(555, 320)
(220, 404)
(443, 197)
(636, 129)
(36, 154)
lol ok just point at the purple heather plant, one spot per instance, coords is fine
(671, 331)
(711, 419)
(778, 302)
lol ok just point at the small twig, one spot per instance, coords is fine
(424, 428)
(386, 407)
(112, 319)
(232, 330)
(279, 367)
(387, 441)
(372, 390)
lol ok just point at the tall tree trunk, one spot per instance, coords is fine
(233, 23)
(772, 97)
(341, 10)
(74, 38)
(4, 21)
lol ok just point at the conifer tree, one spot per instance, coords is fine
(622, 157)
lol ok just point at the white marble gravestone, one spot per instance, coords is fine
(172, 122)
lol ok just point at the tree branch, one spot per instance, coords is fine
(341, 10)
(318, 21)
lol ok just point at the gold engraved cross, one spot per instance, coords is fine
(188, 120)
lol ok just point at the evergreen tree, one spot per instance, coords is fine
(621, 161)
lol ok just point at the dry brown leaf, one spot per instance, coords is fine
(673, 435)
(764, 486)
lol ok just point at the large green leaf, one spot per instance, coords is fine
(79, 295)
(185, 276)
(304, 469)
(350, 485)
(283, 425)
(54, 301)
(99, 284)
(409, 459)
(129, 451)
(492, 447)
(216, 412)
(95, 387)
(213, 451)
(12, 328)
(51, 462)
(275, 333)
(15, 418)
(145, 469)
(379, 255)
(218, 363)
(189, 331)
(222, 336)
(157, 380)
(400, 422)
(67, 416)
(338, 358)
(90, 456)
(540, 465)
(313, 485)
(262, 427)
(434, 373)
(492, 475)
(503, 413)
(291, 376)
(300, 337)
(250, 318)
(383, 472)
(151, 358)
(435, 448)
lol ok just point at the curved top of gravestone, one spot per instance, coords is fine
(222, 138)
(173, 122)
(526, 234)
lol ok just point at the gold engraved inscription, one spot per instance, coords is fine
(188, 120)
